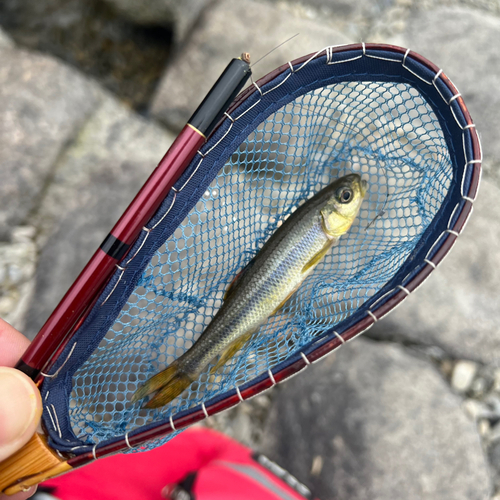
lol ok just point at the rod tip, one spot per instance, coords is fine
(245, 57)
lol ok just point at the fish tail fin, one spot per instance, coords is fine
(176, 385)
(161, 380)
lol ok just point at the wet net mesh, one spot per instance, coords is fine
(384, 131)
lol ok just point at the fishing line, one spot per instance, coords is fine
(272, 50)
(275, 48)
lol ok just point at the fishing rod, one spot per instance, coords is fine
(73, 308)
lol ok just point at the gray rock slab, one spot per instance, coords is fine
(356, 19)
(487, 5)
(43, 103)
(181, 15)
(494, 456)
(347, 10)
(457, 307)
(228, 29)
(17, 269)
(373, 421)
(96, 179)
(464, 42)
(5, 41)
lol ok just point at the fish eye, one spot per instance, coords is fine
(345, 195)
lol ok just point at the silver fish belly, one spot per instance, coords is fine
(275, 275)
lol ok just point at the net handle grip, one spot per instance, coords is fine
(33, 463)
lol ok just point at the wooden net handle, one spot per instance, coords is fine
(33, 463)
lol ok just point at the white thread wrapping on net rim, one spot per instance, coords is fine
(329, 55)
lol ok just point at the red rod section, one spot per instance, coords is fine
(102, 265)
(72, 310)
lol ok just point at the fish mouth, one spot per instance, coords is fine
(364, 187)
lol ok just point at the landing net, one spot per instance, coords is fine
(387, 132)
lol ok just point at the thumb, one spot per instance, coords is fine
(20, 410)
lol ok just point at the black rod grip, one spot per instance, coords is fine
(227, 87)
(27, 369)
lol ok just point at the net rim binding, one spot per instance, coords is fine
(256, 87)
(303, 61)
(393, 298)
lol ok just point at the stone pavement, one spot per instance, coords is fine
(411, 412)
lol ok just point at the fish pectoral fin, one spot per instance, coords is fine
(230, 351)
(318, 256)
(233, 285)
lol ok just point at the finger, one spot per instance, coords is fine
(20, 410)
(12, 344)
(19, 496)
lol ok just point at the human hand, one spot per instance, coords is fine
(20, 402)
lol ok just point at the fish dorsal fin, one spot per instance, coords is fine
(319, 256)
(237, 279)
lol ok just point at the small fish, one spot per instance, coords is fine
(264, 285)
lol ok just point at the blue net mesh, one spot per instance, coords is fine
(384, 131)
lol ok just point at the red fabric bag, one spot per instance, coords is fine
(198, 464)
